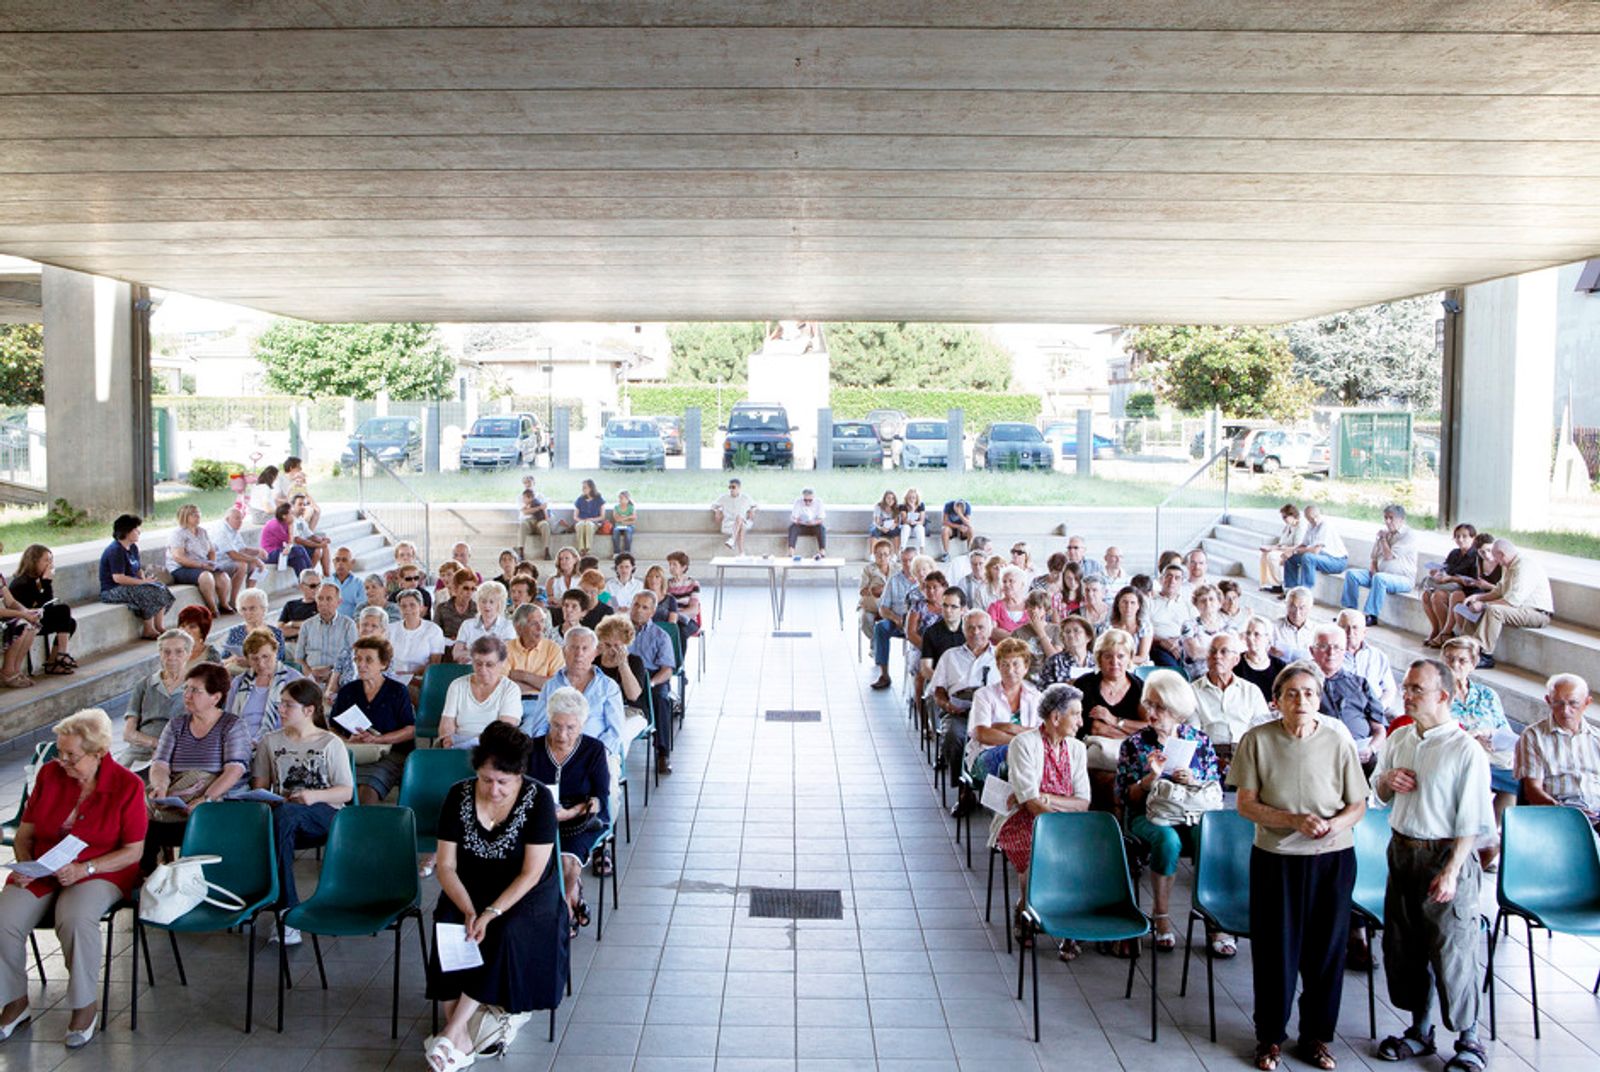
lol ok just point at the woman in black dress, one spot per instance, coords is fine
(498, 877)
(576, 767)
(33, 586)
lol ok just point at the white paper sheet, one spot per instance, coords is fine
(1464, 611)
(1504, 740)
(1179, 752)
(996, 791)
(455, 952)
(353, 719)
(265, 796)
(66, 850)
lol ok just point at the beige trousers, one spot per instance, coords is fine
(78, 912)
(538, 529)
(1496, 616)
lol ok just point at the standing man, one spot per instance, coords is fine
(891, 621)
(243, 558)
(534, 511)
(1321, 550)
(956, 521)
(807, 518)
(735, 513)
(1393, 565)
(1438, 780)
(654, 648)
(1522, 598)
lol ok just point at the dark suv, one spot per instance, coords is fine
(762, 430)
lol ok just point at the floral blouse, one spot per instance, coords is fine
(1134, 762)
(1480, 712)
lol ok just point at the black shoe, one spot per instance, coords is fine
(965, 805)
(1486, 662)
(883, 682)
(1372, 620)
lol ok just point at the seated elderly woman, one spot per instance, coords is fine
(418, 643)
(84, 793)
(1144, 775)
(1073, 658)
(498, 877)
(255, 694)
(252, 604)
(484, 696)
(380, 750)
(123, 579)
(1111, 699)
(490, 620)
(616, 662)
(575, 766)
(378, 596)
(1001, 710)
(156, 698)
(370, 622)
(201, 755)
(1477, 707)
(1048, 770)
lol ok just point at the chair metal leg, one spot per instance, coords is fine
(1133, 962)
(1153, 969)
(144, 940)
(1005, 886)
(283, 966)
(1372, 999)
(616, 864)
(177, 958)
(1533, 979)
(1211, 992)
(1596, 988)
(1488, 980)
(133, 974)
(105, 976)
(1188, 946)
(627, 815)
(1022, 960)
(552, 1026)
(422, 940)
(967, 821)
(250, 976)
(394, 1005)
(988, 897)
(38, 961)
(316, 947)
(1033, 955)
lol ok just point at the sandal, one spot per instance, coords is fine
(602, 864)
(1224, 946)
(67, 661)
(1317, 1055)
(1405, 1046)
(17, 681)
(57, 668)
(1470, 1057)
(1268, 1054)
(1165, 940)
(1020, 930)
(444, 1057)
(1068, 951)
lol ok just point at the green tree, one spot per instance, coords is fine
(1380, 353)
(900, 354)
(355, 360)
(21, 365)
(1140, 404)
(707, 352)
(1247, 372)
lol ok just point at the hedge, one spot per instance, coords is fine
(849, 403)
(672, 400)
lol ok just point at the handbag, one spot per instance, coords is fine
(188, 784)
(1171, 804)
(364, 754)
(175, 889)
(604, 529)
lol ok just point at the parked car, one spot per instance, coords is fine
(1272, 449)
(1321, 457)
(671, 433)
(761, 429)
(1063, 439)
(632, 443)
(1011, 445)
(925, 445)
(395, 441)
(495, 442)
(855, 443)
(1240, 437)
(887, 423)
(1425, 450)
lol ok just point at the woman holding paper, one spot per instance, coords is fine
(1168, 747)
(500, 927)
(85, 801)
(201, 755)
(309, 768)
(374, 713)
(575, 767)
(1049, 771)
(471, 703)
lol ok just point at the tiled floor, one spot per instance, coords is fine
(911, 978)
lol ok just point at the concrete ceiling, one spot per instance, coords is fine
(999, 160)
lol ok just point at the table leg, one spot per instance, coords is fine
(838, 597)
(783, 598)
(716, 611)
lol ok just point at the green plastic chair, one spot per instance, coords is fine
(369, 884)
(1366, 900)
(1549, 876)
(1221, 891)
(427, 777)
(1079, 888)
(648, 735)
(682, 671)
(435, 683)
(239, 831)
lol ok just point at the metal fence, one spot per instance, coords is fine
(392, 505)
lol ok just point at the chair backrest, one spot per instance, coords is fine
(371, 857)
(435, 683)
(1142, 672)
(1548, 860)
(1372, 862)
(239, 831)
(1079, 863)
(1222, 868)
(428, 775)
(672, 630)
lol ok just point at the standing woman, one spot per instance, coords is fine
(588, 511)
(86, 794)
(498, 877)
(624, 517)
(192, 559)
(886, 521)
(1299, 780)
(914, 520)
(566, 576)
(33, 586)
(122, 578)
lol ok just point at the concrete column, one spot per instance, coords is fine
(562, 457)
(1506, 394)
(825, 438)
(955, 459)
(1085, 457)
(97, 399)
(691, 438)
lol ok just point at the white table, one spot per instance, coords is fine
(777, 571)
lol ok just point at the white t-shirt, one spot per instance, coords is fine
(413, 648)
(473, 628)
(733, 506)
(473, 717)
(622, 594)
(262, 500)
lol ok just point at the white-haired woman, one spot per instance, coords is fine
(193, 559)
(252, 604)
(86, 794)
(156, 699)
(1010, 611)
(1167, 703)
(370, 622)
(575, 767)
(490, 620)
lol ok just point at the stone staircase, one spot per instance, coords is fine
(110, 655)
(1526, 657)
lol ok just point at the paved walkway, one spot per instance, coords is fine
(911, 977)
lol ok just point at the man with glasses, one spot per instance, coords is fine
(1347, 696)
(1087, 567)
(1558, 758)
(891, 621)
(302, 607)
(808, 517)
(735, 514)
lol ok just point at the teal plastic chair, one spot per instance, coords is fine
(648, 735)
(428, 775)
(1549, 876)
(682, 671)
(1366, 900)
(369, 884)
(239, 831)
(435, 683)
(1079, 888)
(1221, 892)
(1143, 672)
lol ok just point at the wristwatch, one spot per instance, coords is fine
(493, 909)
(88, 869)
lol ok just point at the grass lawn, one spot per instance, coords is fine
(22, 525)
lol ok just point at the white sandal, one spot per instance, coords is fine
(444, 1057)
(1164, 940)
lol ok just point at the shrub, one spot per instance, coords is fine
(63, 515)
(1140, 404)
(209, 474)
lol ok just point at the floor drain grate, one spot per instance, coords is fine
(769, 903)
(792, 634)
(794, 716)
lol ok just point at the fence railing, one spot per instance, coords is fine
(391, 504)
(1181, 496)
(22, 454)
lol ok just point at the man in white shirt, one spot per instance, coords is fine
(953, 685)
(1322, 550)
(735, 513)
(1393, 565)
(1292, 634)
(1522, 598)
(242, 557)
(808, 517)
(1558, 758)
(1195, 564)
(1169, 609)
(1226, 705)
(972, 585)
(1366, 661)
(1437, 778)
(1111, 569)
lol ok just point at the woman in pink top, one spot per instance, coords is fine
(275, 541)
(1010, 611)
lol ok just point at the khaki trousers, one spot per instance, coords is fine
(540, 530)
(1496, 616)
(78, 912)
(1430, 947)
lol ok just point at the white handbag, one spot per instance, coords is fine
(175, 889)
(1171, 804)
